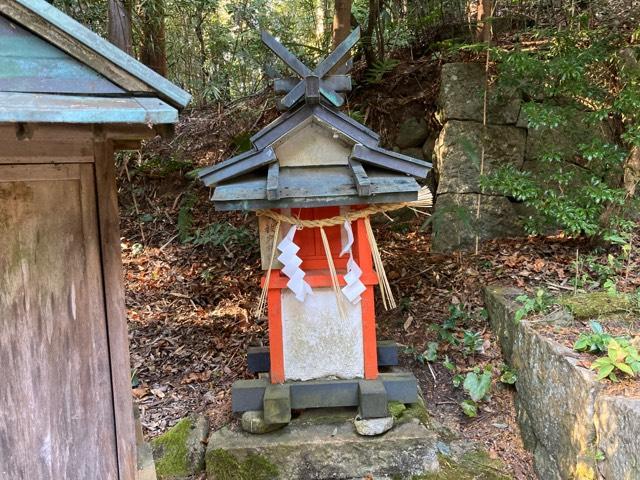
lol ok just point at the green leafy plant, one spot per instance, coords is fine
(430, 354)
(472, 343)
(508, 375)
(578, 78)
(379, 69)
(469, 408)
(185, 217)
(621, 357)
(477, 384)
(594, 342)
(610, 287)
(448, 364)
(539, 303)
(221, 234)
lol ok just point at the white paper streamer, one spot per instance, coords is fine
(354, 287)
(291, 266)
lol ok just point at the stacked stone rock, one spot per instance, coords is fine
(457, 158)
(506, 140)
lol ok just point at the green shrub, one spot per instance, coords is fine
(577, 75)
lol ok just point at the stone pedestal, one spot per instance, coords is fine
(323, 444)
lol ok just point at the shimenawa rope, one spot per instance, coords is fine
(424, 200)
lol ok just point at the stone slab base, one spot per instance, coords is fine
(323, 444)
(249, 394)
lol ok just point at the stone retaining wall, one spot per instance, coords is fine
(564, 417)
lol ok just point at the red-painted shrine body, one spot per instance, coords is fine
(314, 163)
(314, 263)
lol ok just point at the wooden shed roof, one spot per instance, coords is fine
(53, 69)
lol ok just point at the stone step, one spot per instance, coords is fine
(323, 444)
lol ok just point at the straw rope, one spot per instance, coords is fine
(265, 288)
(424, 200)
(385, 289)
(334, 275)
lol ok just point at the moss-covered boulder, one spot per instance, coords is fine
(596, 304)
(179, 452)
(222, 465)
(472, 465)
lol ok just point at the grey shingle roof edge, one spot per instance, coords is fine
(38, 107)
(170, 92)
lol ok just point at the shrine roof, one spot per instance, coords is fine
(313, 154)
(56, 70)
(256, 179)
(313, 187)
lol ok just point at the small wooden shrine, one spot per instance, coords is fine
(314, 176)
(68, 100)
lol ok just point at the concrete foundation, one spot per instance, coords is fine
(323, 444)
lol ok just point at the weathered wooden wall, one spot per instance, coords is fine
(66, 407)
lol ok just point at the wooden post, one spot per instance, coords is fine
(276, 349)
(108, 223)
(363, 251)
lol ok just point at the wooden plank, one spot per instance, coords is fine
(246, 165)
(345, 124)
(272, 181)
(312, 89)
(29, 143)
(108, 221)
(312, 144)
(266, 229)
(134, 132)
(320, 186)
(280, 127)
(283, 53)
(22, 15)
(41, 107)
(341, 50)
(360, 177)
(83, 44)
(56, 394)
(15, 41)
(390, 160)
(339, 83)
(29, 64)
(304, 202)
(248, 394)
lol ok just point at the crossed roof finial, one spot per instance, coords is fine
(312, 84)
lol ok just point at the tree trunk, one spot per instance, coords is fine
(119, 24)
(483, 30)
(153, 50)
(367, 36)
(341, 21)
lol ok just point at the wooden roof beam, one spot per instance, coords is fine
(360, 177)
(232, 170)
(390, 160)
(273, 175)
